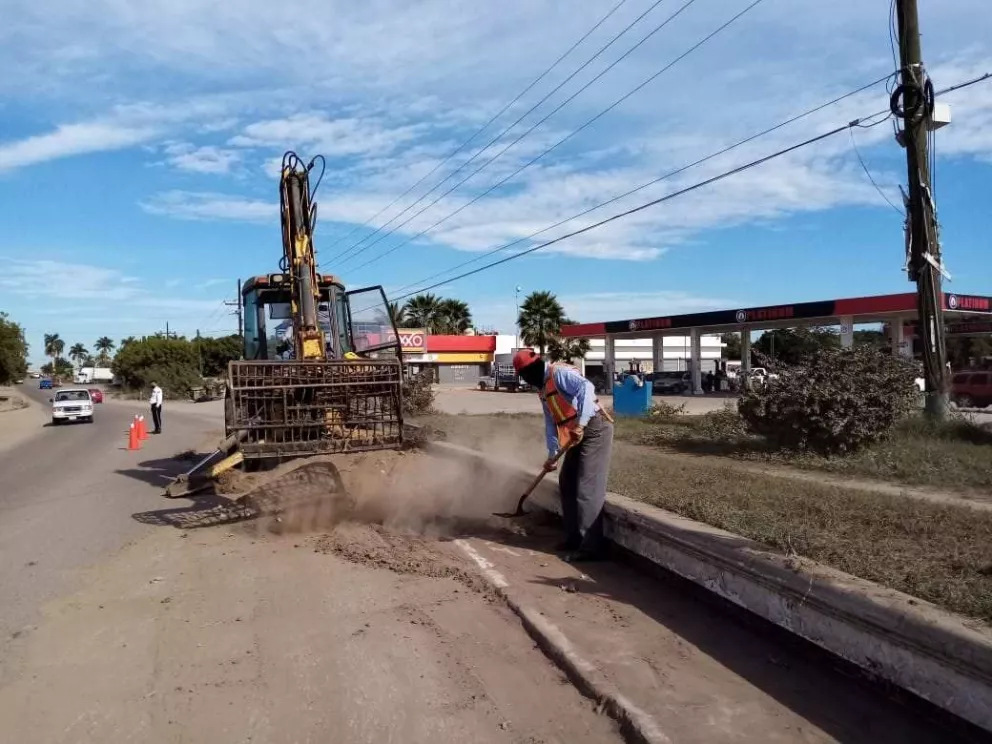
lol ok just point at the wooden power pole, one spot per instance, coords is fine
(238, 310)
(913, 103)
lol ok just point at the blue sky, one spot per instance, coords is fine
(139, 146)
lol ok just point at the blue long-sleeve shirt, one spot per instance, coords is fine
(576, 389)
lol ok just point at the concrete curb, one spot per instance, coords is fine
(635, 724)
(913, 644)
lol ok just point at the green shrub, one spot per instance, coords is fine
(835, 401)
(418, 393)
(171, 362)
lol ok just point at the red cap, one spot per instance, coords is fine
(524, 358)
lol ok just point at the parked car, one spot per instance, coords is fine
(671, 383)
(96, 395)
(72, 404)
(972, 389)
(44, 384)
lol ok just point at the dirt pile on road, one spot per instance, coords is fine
(406, 492)
(376, 546)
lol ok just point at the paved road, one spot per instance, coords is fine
(67, 494)
(114, 628)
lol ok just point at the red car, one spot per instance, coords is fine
(972, 389)
(96, 395)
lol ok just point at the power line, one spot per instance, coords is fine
(567, 137)
(664, 177)
(523, 116)
(857, 151)
(860, 122)
(488, 124)
(642, 207)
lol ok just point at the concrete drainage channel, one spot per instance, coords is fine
(893, 637)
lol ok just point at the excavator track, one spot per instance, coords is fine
(306, 490)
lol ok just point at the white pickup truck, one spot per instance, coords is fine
(72, 404)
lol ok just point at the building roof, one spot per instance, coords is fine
(860, 309)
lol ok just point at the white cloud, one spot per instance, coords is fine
(81, 301)
(331, 137)
(385, 95)
(71, 139)
(207, 159)
(190, 205)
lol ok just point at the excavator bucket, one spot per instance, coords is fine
(291, 409)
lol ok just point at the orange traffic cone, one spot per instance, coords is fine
(133, 443)
(142, 429)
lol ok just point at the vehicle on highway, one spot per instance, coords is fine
(34, 375)
(44, 384)
(972, 389)
(72, 404)
(96, 395)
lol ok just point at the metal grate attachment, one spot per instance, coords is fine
(309, 408)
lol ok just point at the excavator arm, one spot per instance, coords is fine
(299, 215)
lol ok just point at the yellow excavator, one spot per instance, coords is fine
(322, 370)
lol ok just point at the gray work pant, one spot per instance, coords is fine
(582, 483)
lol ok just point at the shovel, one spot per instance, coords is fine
(536, 482)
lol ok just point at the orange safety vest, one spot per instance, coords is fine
(563, 413)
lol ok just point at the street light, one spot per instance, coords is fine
(516, 320)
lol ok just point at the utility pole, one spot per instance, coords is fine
(912, 102)
(238, 310)
(199, 352)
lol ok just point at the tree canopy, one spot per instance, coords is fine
(435, 314)
(13, 351)
(540, 320)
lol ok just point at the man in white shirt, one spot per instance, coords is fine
(156, 404)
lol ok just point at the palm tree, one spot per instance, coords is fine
(125, 341)
(54, 346)
(567, 349)
(78, 353)
(455, 317)
(103, 346)
(540, 320)
(397, 314)
(423, 311)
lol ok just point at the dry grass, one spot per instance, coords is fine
(956, 455)
(942, 554)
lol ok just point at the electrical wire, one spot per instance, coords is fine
(499, 136)
(701, 184)
(857, 151)
(640, 208)
(567, 137)
(485, 126)
(671, 174)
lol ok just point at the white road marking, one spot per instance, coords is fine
(487, 568)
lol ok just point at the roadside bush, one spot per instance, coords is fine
(725, 425)
(13, 351)
(418, 394)
(661, 409)
(836, 401)
(171, 362)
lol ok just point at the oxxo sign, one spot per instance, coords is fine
(413, 340)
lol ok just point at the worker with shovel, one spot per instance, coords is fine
(580, 432)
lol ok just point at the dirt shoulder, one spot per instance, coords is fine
(20, 418)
